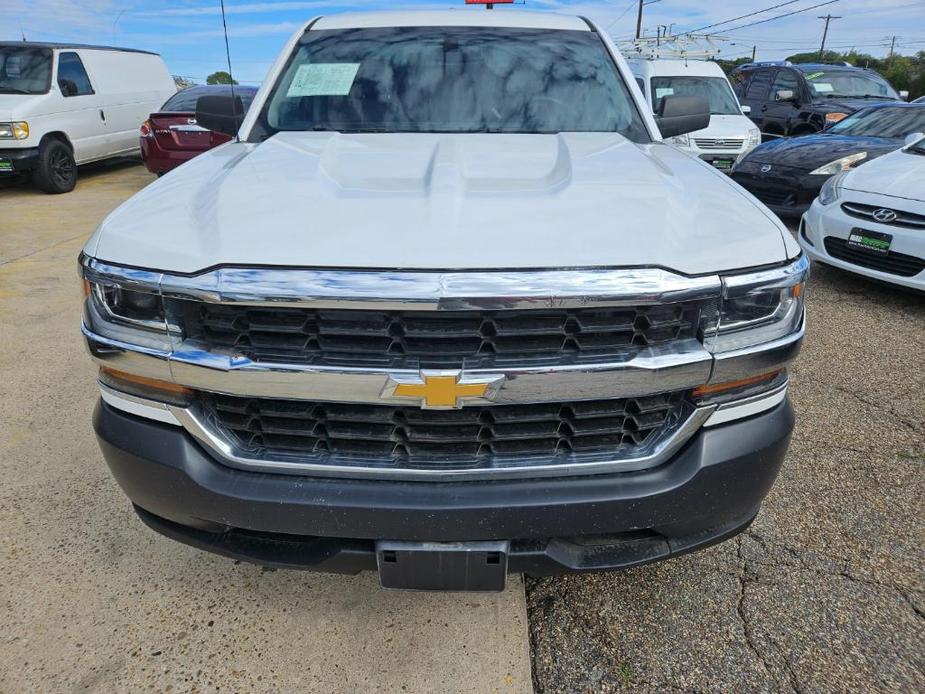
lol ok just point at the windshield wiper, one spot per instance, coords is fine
(14, 90)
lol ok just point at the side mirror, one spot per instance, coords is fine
(221, 114)
(912, 138)
(904, 94)
(784, 95)
(678, 115)
(68, 87)
(746, 109)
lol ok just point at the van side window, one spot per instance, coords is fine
(758, 85)
(72, 77)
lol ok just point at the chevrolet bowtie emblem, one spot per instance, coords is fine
(442, 390)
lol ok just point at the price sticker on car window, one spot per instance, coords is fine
(823, 87)
(323, 79)
(663, 91)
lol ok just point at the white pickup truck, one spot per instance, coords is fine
(448, 309)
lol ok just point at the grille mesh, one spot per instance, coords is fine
(438, 338)
(891, 262)
(468, 438)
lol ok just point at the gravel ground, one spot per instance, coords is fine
(826, 591)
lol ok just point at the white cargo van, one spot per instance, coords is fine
(730, 135)
(66, 104)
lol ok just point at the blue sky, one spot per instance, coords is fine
(188, 33)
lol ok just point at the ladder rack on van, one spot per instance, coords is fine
(694, 46)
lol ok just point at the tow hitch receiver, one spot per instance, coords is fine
(448, 566)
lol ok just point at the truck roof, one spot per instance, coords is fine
(654, 67)
(475, 16)
(85, 46)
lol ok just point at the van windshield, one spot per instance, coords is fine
(452, 80)
(715, 90)
(24, 70)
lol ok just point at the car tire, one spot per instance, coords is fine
(57, 170)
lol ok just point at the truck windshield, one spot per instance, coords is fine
(452, 80)
(895, 122)
(848, 83)
(24, 70)
(715, 90)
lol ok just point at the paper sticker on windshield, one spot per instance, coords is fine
(12, 66)
(323, 79)
(823, 87)
(814, 75)
(663, 91)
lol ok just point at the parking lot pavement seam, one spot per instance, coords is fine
(747, 630)
(10, 261)
(870, 403)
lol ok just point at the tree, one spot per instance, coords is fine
(220, 77)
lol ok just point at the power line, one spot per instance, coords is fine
(781, 16)
(735, 19)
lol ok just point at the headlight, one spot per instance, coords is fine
(839, 165)
(759, 307)
(680, 141)
(753, 139)
(834, 117)
(831, 189)
(122, 309)
(18, 130)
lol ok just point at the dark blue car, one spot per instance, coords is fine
(786, 174)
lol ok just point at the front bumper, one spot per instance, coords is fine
(18, 160)
(709, 490)
(823, 221)
(786, 191)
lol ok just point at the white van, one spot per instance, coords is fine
(730, 135)
(66, 104)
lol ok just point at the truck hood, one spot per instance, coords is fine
(17, 106)
(899, 175)
(726, 125)
(432, 201)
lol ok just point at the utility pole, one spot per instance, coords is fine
(892, 44)
(825, 32)
(754, 49)
(642, 3)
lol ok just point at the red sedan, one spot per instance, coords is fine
(171, 136)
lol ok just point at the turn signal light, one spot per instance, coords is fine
(146, 130)
(714, 388)
(145, 387)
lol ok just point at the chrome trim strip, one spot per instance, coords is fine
(142, 407)
(756, 359)
(681, 365)
(417, 290)
(747, 407)
(197, 425)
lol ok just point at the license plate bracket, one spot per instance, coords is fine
(872, 241)
(6, 166)
(722, 164)
(443, 566)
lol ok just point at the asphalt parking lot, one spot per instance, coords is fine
(824, 593)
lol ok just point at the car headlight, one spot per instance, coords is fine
(18, 130)
(831, 189)
(753, 139)
(124, 310)
(841, 164)
(680, 141)
(758, 307)
(831, 118)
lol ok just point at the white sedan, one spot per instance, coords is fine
(871, 220)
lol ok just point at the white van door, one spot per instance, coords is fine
(80, 117)
(131, 85)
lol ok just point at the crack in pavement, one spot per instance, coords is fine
(870, 403)
(43, 249)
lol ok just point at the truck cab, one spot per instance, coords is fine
(447, 307)
(62, 105)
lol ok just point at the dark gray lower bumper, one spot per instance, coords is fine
(18, 160)
(709, 491)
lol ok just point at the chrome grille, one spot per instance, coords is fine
(434, 338)
(469, 438)
(718, 143)
(903, 219)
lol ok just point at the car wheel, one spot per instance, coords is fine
(57, 170)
